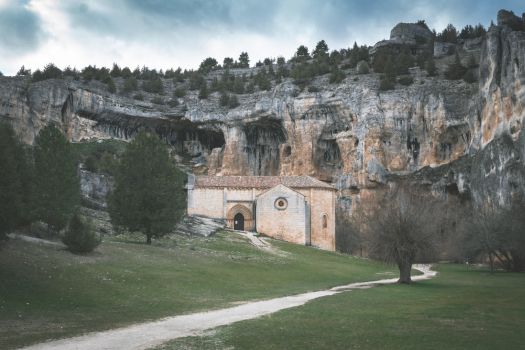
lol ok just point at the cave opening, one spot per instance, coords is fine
(327, 158)
(263, 138)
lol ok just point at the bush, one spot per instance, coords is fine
(405, 80)
(111, 86)
(50, 72)
(180, 92)
(362, 67)
(455, 70)
(313, 89)
(80, 236)
(139, 97)
(157, 100)
(229, 101)
(386, 84)
(173, 102)
(130, 84)
(153, 85)
(469, 76)
(336, 76)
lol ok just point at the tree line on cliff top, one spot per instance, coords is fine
(303, 67)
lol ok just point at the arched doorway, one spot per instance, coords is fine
(239, 217)
(238, 222)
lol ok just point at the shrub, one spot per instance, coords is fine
(469, 76)
(430, 67)
(385, 83)
(203, 92)
(130, 84)
(139, 97)
(313, 89)
(229, 101)
(173, 102)
(455, 70)
(50, 72)
(157, 100)
(180, 92)
(153, 85)
(362, 67)
(111, 86)
(336, 76)
(405, 80)
(80, 236)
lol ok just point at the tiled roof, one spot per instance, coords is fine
(260, 182)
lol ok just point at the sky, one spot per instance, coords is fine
(181, 33)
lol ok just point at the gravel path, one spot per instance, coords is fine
(151, 334)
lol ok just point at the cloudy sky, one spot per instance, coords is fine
(173, 33)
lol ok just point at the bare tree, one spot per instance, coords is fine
(497, 232)
(403, 228)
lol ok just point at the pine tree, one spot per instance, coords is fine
(203, 92)
(149, 195)
(57, 187)
(430, 67)
(244, 60)
(321, 49)
(15, 181)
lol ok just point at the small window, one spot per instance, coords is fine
(325, 221)
(281, 203)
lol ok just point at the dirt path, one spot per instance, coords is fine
(150, 334)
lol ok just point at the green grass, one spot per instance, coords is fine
(459, 309)
(48, 293)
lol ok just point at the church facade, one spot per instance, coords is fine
(297, 209)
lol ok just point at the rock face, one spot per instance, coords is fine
(465, 139)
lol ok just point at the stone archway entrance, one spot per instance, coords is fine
(240, 217)
(238, 222)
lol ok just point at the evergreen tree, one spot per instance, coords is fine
(227, 62)
(179, 92)
(244, 60)
(203, 92)
(111, 86)
(23, 72)
(430, 67)
(149, 195)
(153, 85)
(321, 49)
(15, 181)
(336, 76)
(302, 53)
(455, 70)
(80, 236)
(57, 188)
(130, 84)
(116, 71)
(208, 65)
(448, 35)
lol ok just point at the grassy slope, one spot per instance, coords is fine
(460, 309)
(48, 293)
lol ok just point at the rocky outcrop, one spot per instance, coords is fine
(95, 188)
(464, 139)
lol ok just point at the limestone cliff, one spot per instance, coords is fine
(463, 138)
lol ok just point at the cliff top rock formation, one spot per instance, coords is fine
(350, 134)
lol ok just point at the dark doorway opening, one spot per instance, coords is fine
(238, 222)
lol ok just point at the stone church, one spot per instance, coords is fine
(297, 209)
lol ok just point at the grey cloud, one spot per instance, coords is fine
(20, 29)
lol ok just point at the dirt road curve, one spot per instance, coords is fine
(150, 334)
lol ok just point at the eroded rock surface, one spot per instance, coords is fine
(349, 134)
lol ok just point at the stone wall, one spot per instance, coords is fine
(321, 204)
(286, 222)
